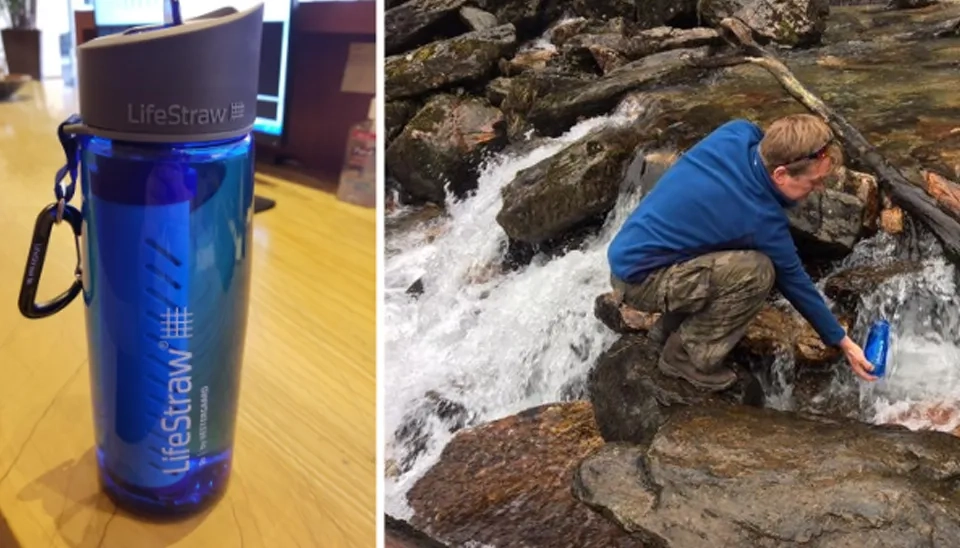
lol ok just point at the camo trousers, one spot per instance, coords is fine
(717, 295)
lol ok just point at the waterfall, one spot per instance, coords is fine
(488, 344)
(922, 385)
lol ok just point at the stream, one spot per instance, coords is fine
(499, 343)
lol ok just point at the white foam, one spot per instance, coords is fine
(494, 343)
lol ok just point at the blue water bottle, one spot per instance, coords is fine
(878, 343)
(163, 147)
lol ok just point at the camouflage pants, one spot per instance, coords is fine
(717, 295)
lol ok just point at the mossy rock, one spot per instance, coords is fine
(444, 144)
(796, 23)
(467, 58)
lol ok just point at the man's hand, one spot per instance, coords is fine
(858, 362)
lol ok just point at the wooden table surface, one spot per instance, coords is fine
(304, 466)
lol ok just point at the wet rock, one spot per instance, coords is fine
(632, 398)
(414, 218)
(527, 59)
(599, 9)
(621, 318)
(790, 22)
(669, 13)
(646, 42)
(478, 19)
(416, 288)
(932, 31)
(864, 187)
(646, 168)
(507, 483)
(564, 30)
(400, 534)
(827, 224)
(740, 476)
(444, 144)
(941, 416)
(526, 89)
(606, 59)
(774, 330)
(891, 220)
(824, 391)
(416, 22)
(945, 192)
(846, 287)
(530, 17)
(412, 433)
(397, 114)
(575, 185)
(909, 4)
(497, 90)
(613, 50)
(467, 58)
(560, 107)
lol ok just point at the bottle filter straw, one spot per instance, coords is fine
(878, 342)
(168, 204)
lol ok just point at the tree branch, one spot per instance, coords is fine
(906, 194)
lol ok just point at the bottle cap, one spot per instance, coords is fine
(196, 81)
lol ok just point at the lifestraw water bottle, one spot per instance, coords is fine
(163, 146)
(878, 344)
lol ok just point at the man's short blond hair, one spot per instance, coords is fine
(791, 140)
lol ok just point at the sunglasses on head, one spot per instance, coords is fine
(815, 155)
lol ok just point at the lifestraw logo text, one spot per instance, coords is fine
(176, 422)
(174, 115)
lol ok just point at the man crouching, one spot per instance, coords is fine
(708, 243)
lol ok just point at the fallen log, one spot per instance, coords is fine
(909, 196)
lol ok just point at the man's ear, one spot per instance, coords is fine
(778, 175)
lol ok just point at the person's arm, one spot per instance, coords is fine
(796, 285)
(798, 288)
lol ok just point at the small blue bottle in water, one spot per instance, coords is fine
(878, 344)
(164, 151)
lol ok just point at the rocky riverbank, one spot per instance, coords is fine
(633, 458)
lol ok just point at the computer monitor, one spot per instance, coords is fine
(270, 126)
(112, 16)
(116, 14)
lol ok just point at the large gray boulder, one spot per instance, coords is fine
(561, 106)
(413, 23)
(574, 185)
(786, 22)
(827, 224)
(632, 399)
(443, 145)
(470, 57)
(740, 476)
(506, 483)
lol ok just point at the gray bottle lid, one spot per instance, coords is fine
(196, 81)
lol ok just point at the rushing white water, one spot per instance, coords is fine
(922, 385)
(496, 344)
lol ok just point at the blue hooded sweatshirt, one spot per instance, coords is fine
(718, 196)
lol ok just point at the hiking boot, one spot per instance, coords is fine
(674, 362)
(665, 325)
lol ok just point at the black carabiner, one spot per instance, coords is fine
(46, 220)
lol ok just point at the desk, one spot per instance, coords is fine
(304, 468)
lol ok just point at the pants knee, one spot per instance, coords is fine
(748, 269)
(761, 271)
